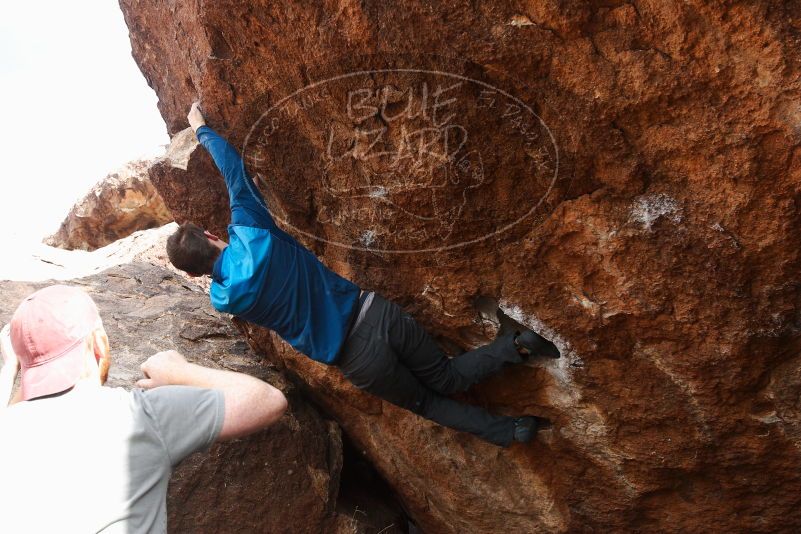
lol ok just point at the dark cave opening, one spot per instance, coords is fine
(366, 501)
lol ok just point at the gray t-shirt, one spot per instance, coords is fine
(99, 459)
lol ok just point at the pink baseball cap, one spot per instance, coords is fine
(48, 331)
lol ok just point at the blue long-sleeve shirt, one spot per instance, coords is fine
(266, 277)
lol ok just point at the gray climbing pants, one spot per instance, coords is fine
(391, 356)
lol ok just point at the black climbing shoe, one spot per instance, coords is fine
(526, 427)
(531, 343)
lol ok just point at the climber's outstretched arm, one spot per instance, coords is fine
(247, 205)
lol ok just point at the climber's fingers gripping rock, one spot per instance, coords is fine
(195, 117)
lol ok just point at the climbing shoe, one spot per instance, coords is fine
(526, 427)
(531, 343)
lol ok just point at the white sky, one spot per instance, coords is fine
(73, 107)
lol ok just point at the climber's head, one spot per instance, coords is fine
(59, 338)
(194, 250)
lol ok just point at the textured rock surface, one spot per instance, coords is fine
(663, 260)
(119, 205)
(284, 479)
(198, 181)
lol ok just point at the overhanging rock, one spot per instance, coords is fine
(661, 256)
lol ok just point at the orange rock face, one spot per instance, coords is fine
(624, 178)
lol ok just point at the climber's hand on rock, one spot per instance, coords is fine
(166, 368)
(195, 117)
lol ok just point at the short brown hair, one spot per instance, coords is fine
(190, 251)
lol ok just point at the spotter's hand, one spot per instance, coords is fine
(167, 368)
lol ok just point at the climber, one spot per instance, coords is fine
(266, 277)
(77, 456)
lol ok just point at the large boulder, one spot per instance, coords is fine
(283, 479)
(122, 203)
(623, 177)
(198, 195)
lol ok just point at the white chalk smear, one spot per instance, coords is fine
(647, 209)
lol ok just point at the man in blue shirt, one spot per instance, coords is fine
(264, 276)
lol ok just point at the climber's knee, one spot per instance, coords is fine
(420, 405)
(448, 381)
(404, 394)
